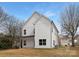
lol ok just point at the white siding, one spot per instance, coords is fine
(54, 37)
(29, 42)
(29, 26)
(42, 31)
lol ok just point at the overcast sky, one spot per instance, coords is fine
(23, 10)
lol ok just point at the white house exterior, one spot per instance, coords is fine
(39, 32)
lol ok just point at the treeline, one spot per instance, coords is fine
(11, 28)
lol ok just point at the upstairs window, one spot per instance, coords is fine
(24, 32)
(42, 41)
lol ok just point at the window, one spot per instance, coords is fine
(42, 42)
(24, 32)
(24, 42)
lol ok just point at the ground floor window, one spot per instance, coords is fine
(42, 41)
(24, 42)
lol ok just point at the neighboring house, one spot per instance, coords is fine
(67, 41)
(39, 32)
(77, 39)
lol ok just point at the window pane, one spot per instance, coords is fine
(44, 40)
(24, 42)
(40, 42)
(24, 32)
(44, 43)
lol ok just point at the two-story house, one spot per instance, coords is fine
(39, 32)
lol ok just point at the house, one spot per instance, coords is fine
(66, 40)
(39, 32)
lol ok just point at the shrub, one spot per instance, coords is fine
(5, 43)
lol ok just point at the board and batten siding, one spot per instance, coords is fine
(29, 42)
(41, 28)
(29, 25)
(54, 39)
(43, 31)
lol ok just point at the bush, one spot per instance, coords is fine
(5, 43)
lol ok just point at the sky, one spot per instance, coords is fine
(23, 10)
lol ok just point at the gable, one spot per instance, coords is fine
(36, 17)
(44, 21)
(31, 21)
(47, 19)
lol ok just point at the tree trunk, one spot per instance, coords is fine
(73, 42)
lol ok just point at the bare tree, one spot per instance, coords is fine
(3, 17)
(12, 27)
(70, 21)
(9, 25)
(19, 27)
(19, 32)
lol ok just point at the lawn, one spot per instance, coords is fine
(40, 52)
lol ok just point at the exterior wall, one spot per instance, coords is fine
(43, 31)
(68, 41)
(76, 40)
(64, 42)
(29, 26)
(77, 43)
(55, 39)
(29, 42)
